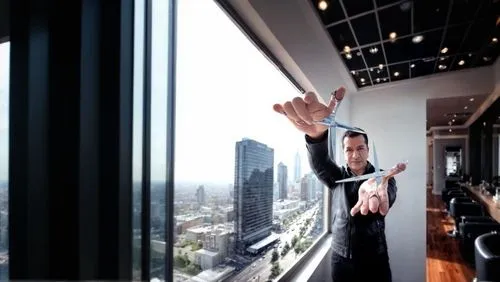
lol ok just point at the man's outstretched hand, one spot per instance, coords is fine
(303, 111)
(375, 198)
(372, 198)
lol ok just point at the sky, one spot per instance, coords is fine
(225, 90)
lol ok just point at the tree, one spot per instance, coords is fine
(275, 270)
(294, 240)
(275, 256)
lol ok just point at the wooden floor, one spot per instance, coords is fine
(444, 262)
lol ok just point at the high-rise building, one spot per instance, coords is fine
(282, 181)
(304, 189)
(200, 195)
(253, 192)
(298, 173)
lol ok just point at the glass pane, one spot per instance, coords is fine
(4, 160)
(159, 74)
(233, 153)
(137, 147)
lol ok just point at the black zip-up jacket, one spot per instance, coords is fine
(353, 236)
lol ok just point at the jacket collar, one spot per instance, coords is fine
(368, 169)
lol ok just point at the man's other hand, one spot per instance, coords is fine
(372, 198)
(304, 110)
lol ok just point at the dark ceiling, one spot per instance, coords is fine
(455, 34)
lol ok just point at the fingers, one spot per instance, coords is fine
(310, 98)
(384, 206)
(356, 207)
(373, 203)
(290, 112)
(279, 109)
(338, 95)
(384, 199)
(364, 205)
(301, 110)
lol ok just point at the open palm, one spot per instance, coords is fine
(372, 197)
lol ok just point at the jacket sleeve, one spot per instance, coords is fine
(325, 169)
(392, 189)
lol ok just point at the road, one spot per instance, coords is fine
(260, 269)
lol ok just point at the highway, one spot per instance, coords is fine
(260, 269)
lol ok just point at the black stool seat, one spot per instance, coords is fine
(487, 257)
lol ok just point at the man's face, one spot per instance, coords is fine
(356, 152)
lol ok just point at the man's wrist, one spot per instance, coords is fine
(317, 137)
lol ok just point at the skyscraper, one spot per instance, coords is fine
(253, 192)
(200, 195)
(297, 167)
(282, 181)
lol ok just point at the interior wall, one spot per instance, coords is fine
(439, 161)
(394, 118)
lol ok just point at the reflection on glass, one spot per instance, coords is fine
(232, 220)
(4, 160)
(137, 137)
(159, 74)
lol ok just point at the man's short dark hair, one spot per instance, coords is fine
(352, 134)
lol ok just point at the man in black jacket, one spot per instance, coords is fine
(359, 248)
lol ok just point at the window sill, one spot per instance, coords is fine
(309, 262)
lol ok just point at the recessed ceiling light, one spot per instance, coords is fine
(322, 5)
(396, 74)
(461, 62)
(442, 67)
(371, 69)
(450, 130)
(470, 54)
(380, 66)
(353, 72)
(494, 40)
(347, 49)
(373, 50)
(471, 99)
(442, 58)
(484, 123)
(358, 53)
(385, 79)
(417, 39)
(412, 65)
(392, 35)
(486, 59)
(453, 120)
(449, 123)
(348, 55)
(455, 115)
(465, 108)
(378, 79)
(444, 50)
(362, 80)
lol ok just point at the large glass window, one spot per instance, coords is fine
(138, 131)
(246, 203)
(4, 160)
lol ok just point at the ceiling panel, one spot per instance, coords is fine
(429, 37)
